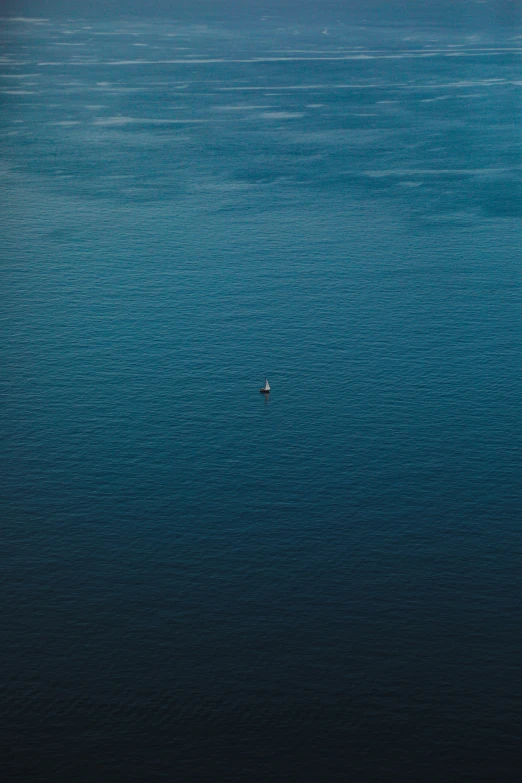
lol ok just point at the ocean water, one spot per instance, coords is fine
(200, 583)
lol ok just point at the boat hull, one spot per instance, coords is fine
(264, 391)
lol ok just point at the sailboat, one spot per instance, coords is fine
(266, 388)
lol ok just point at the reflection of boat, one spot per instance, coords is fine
(266, 388)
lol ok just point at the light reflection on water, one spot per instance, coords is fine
(320, 582)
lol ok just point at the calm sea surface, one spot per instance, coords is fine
(200, 583)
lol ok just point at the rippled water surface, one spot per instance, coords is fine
(201, 583)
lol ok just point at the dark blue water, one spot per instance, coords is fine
(200, 583)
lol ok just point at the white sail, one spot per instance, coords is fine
(267, 386)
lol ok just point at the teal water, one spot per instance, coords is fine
(200, 583)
